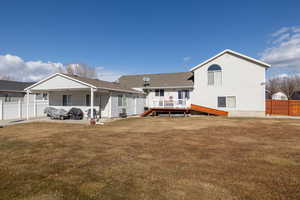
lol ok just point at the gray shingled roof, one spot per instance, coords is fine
(102, 84)
(180, 79)
(14, 86)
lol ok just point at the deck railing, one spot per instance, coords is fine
(169, 103)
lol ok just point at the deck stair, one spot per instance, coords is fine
(208, 110)
(147, 112)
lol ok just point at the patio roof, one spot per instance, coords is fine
(85, 82)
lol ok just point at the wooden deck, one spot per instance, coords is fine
(195, 108)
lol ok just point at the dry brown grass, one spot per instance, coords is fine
(205, 158)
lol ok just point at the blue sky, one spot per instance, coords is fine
(126, 37)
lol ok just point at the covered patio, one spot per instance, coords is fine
(67, 91)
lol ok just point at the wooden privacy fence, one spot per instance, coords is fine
(283, 107)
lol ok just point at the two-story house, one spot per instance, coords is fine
(229, 81)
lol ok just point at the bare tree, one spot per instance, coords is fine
(273, 86)
(82, 70)
(289, 85)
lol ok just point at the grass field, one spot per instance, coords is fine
(199, 158)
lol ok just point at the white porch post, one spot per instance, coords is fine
(92, 103)
(35, 106)
(135, 104)
(1, 110)
(20, 108)
(27, 102)
(110, 105)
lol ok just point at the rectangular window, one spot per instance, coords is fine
(7, 98)
(221, 102)
(214, 78)
(180, 94)
(87, 100)
(218, 77)
(230, 102)
(227, 102)
(210, 78)
(159, 92)
(122, 100)
(67, 100)
(187, 94)
(183, 94)
(45, 96)
(41, 96)
(162, 93)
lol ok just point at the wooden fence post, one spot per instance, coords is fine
(271, 109)
(288, 107)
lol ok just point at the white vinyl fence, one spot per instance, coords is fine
(18, 109)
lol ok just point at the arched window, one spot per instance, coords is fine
(214, 75)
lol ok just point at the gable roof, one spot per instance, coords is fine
(14, 86)
(235, 54)
(94, 83)
(101, 84)
(165, 80)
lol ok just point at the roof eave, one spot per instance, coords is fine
(120, 90)
(167, 87)
(234, 53)
(59, 74)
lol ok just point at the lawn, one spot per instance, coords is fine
(199, 158)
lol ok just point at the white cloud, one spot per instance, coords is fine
(18, 69)
(107, 75)
(284, 75)
(187, 58)
(284, 51)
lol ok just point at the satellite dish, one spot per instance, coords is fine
(146, 80)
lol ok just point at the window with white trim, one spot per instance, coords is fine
(122, 100)
(67, 100)
(183, 94)
(214, 75)
(227, 102)
(7, 98)
(87, 100)
(159, 92)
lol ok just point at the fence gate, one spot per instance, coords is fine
(283, 107)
